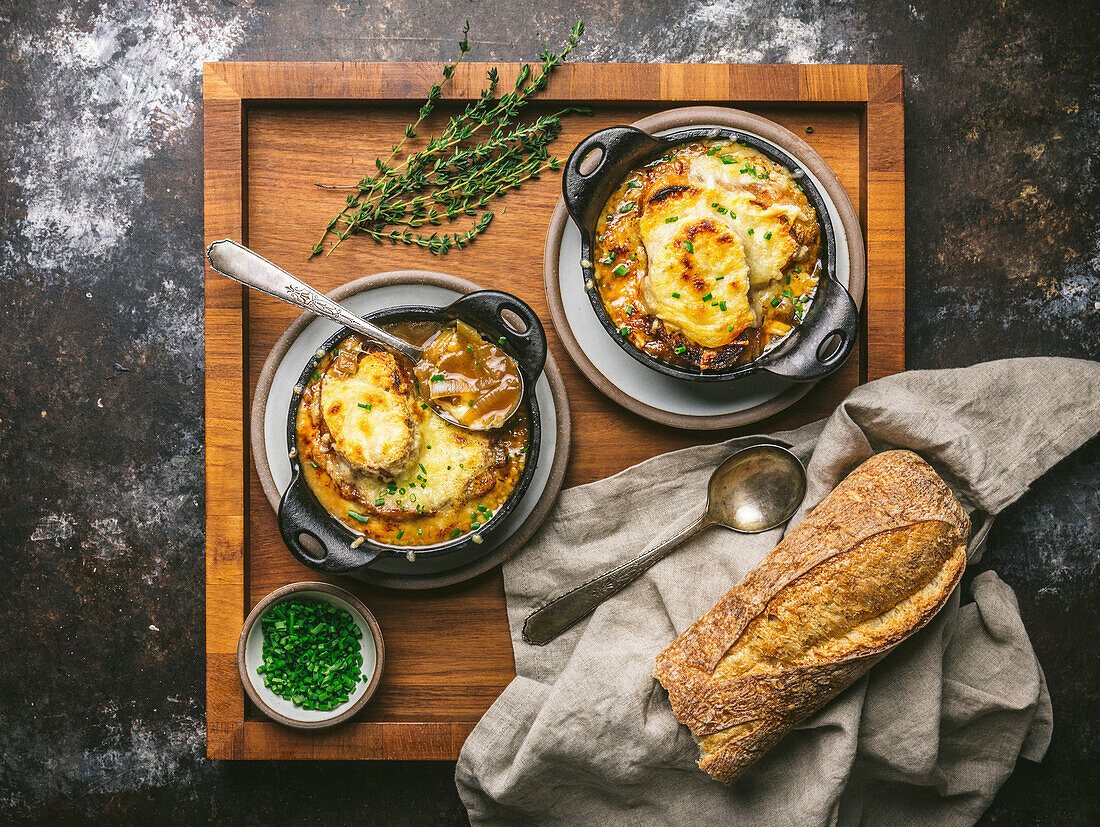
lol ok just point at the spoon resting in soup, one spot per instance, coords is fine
(472, 380)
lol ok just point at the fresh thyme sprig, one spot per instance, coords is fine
(453, 177)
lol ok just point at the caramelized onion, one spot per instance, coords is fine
(473, 380)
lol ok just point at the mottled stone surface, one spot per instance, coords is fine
(101, 475)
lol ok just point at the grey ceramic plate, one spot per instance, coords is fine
(272, 399)
(669, 400)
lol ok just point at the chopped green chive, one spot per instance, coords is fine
(500, 341)
(672, 218)
(609, 260)
(621, 270)
(775, 301)
(707, 297)
(630, 185)
(726, 159)
(751, 231)
(314, 464)
(625, 331)
(719, 278)
(689, 246)
(626, 206)
(315, 376)
(809, 130)
(680, 349)
(422, 468)
(355, 515)
(400, 534)
(768, 234)
(722, 306)
(379, 502)
(311, 654)
(675, 295)
(366, 407)
(456, 532)
(438, 377)
(788, 294)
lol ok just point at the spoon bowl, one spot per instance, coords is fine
(756, 489)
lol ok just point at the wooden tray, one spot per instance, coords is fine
(273, 130)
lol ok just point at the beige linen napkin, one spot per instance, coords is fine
(584, 734)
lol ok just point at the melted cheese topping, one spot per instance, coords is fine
(697, 279)
(711, 218)
(370, 416)
(442, 472)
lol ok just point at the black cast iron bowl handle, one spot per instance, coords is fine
(585, 193)
(300, 513)
(482, 310)
(799, 357)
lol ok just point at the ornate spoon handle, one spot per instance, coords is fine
(243, 265)
(559, 614)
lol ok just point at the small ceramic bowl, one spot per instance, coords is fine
(250, 657)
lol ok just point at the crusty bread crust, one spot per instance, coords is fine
(889, 543)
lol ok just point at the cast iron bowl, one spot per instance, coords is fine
(302, 515)
(805, 354)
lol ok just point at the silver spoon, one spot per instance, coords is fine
(248, 267)
(756, 489)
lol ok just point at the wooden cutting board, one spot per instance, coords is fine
(272, 131)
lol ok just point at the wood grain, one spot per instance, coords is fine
(272, 131)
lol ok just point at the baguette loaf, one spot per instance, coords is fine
(871, 564)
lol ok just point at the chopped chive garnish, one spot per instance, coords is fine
(707, 297)
(625, 331)
(500, 340)
(315, 376)
(380, 502)
(768, 234)
(609, 260)
(438, 377)
(400, 534)
(422, 468)
(809, 130)
(719, 278)
(726, 159)
(680, 349)
(666, 158)
(311, 654)
(633, 184)
(627, 206)
(714, 150)
(724, 211)
(423, 406)
(775, 301)
(733, 215)
(788, 278)
(722, 306)
(314, 464)
(715, 205)
(355, 515)
(675, 295)
(456, 532)
(630, 308)
(469, 349)
(751, 231)
(621, 270)
(366, 407)
(788, 293)
(689, 246)
(729, 329)
(672, 218)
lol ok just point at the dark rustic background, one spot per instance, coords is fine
(101, 429)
